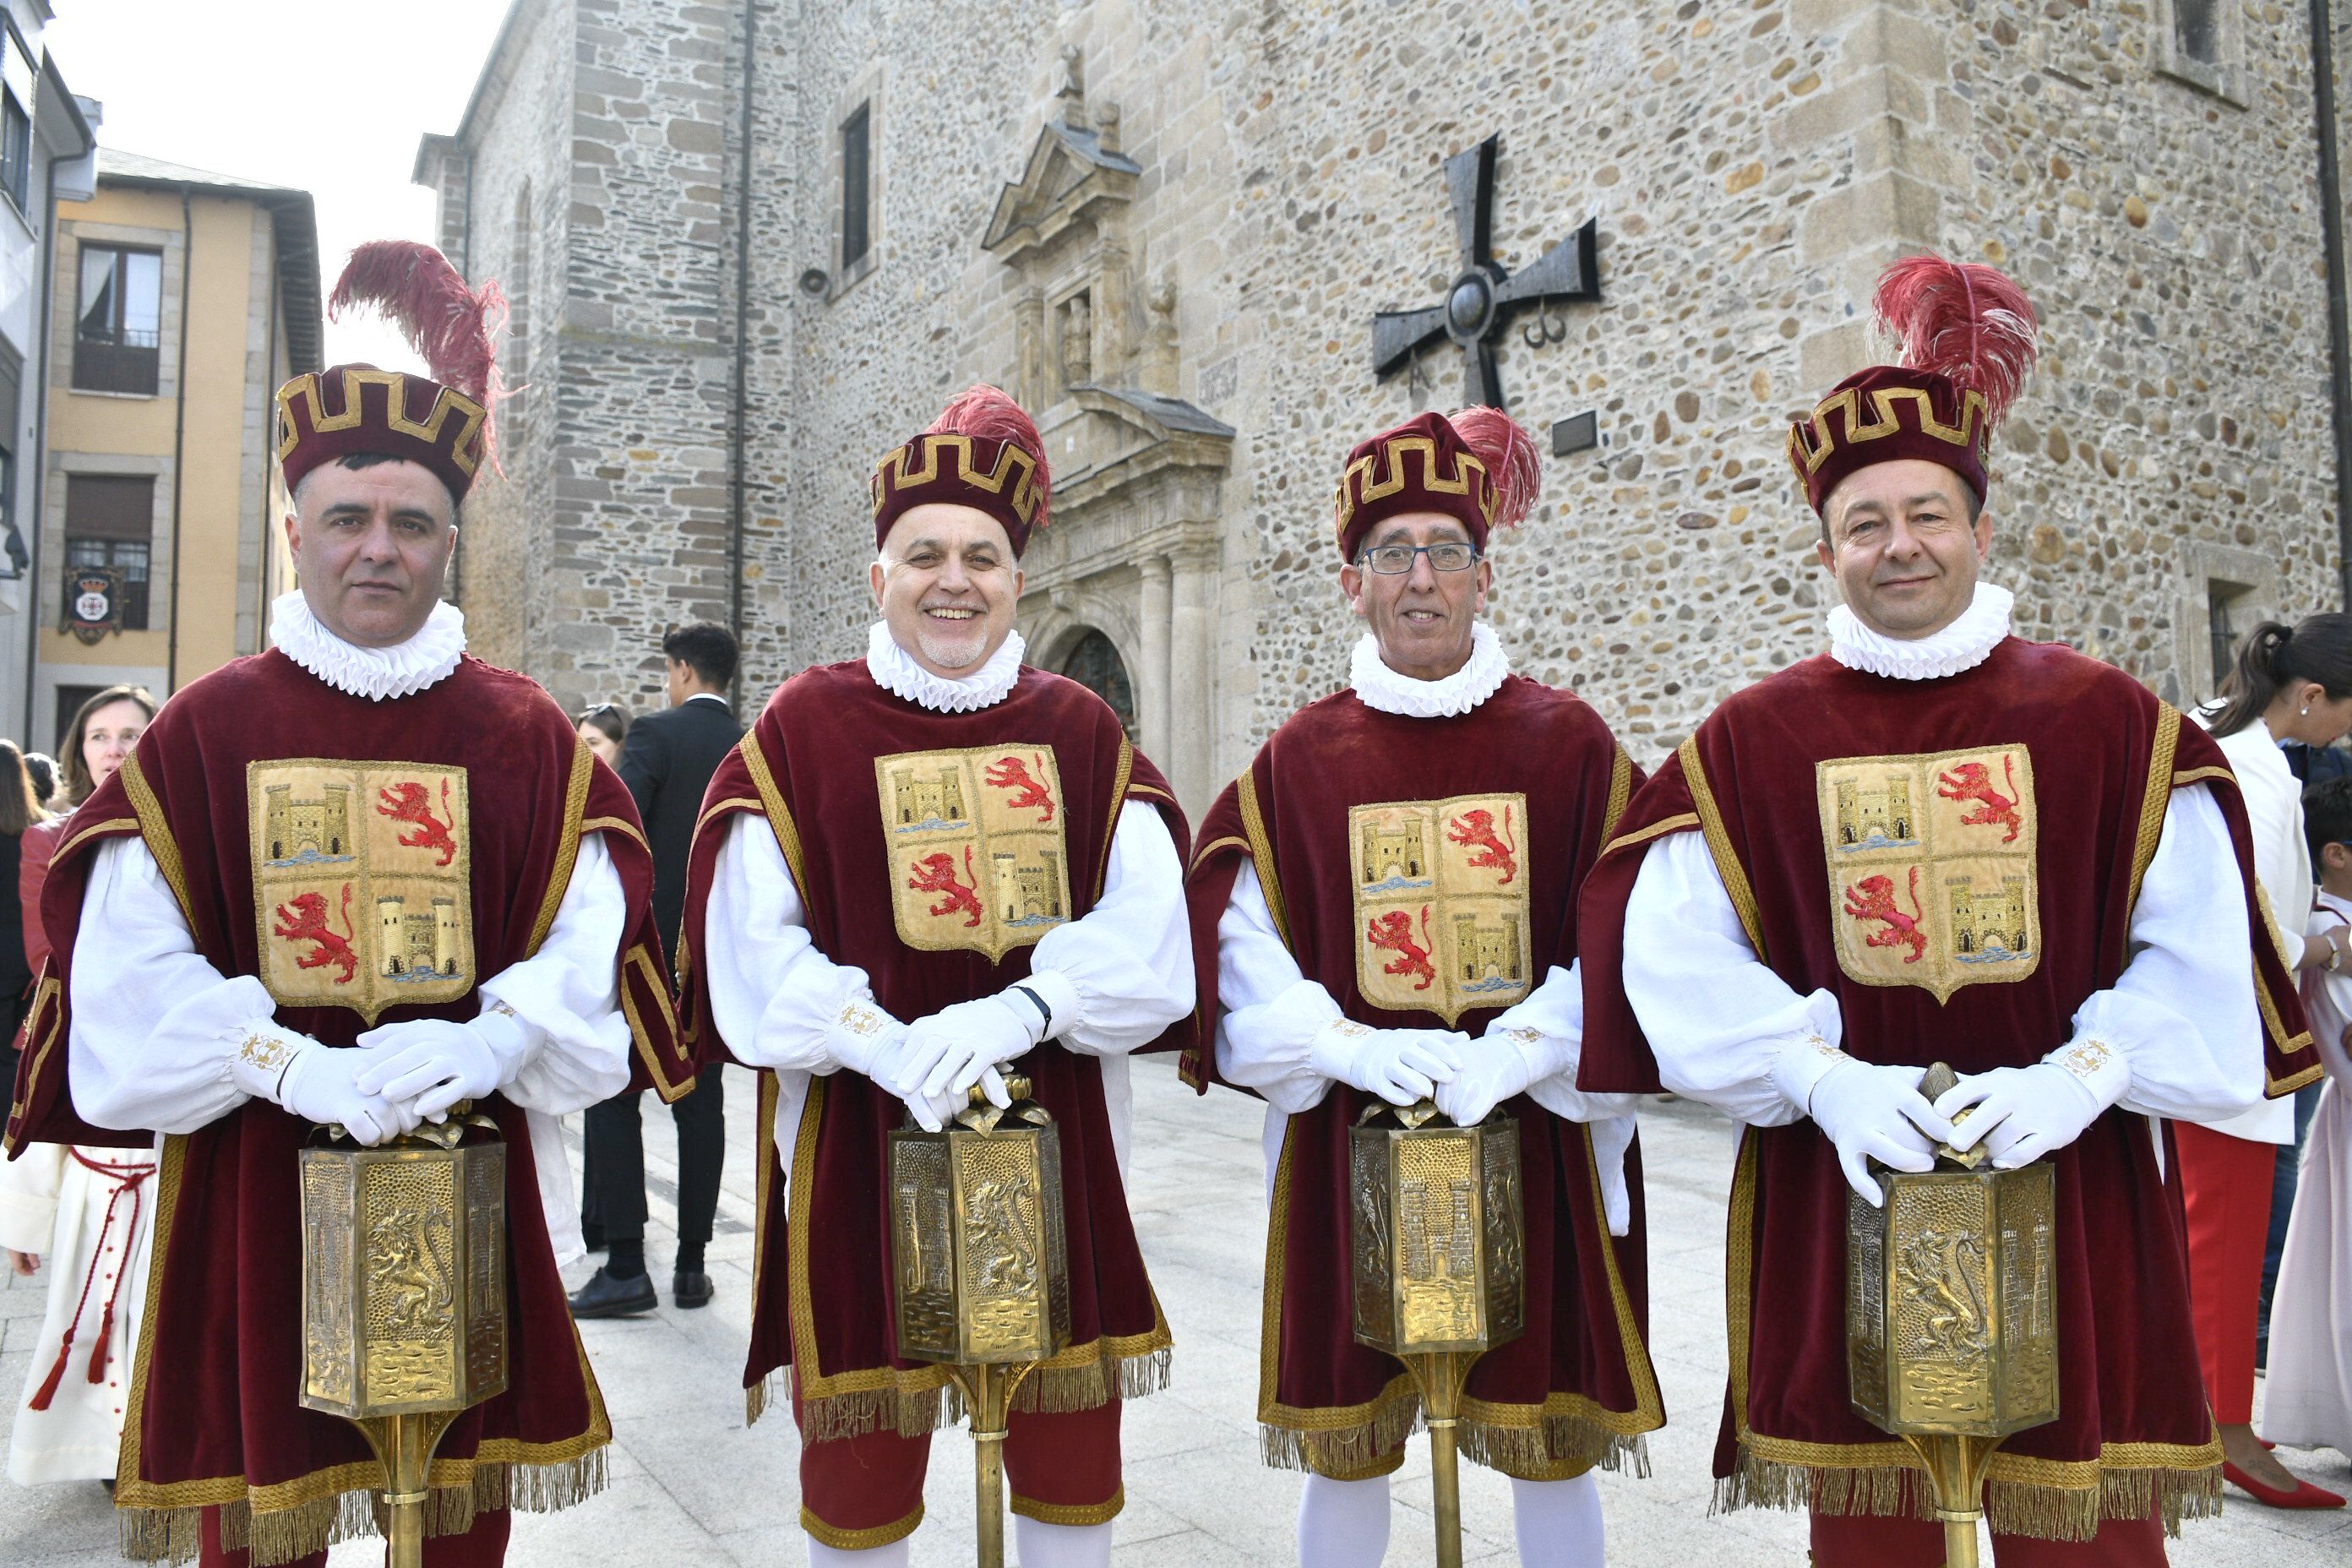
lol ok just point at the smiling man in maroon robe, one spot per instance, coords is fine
(1939, 842)
(920, 868)
(1389, 892)
(354, 880)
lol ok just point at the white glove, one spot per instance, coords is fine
(2023, 1113)
(1877, 1112)
(318, 1086)
(947, 1052)
(1494, 1068)
(1400, 1066)
(933, 1112)
(864, 1038)
(431, 1064)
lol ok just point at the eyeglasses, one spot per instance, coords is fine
(1448, 555)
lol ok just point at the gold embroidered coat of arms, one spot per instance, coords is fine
(1442, 903)
(1931, 867)
(362, 890)
(978, 859)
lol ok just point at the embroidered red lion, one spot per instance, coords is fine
(935, 873)
(1393, 931)
(1973, 781)
(408, 801)
(1475, 830)
(306, 920)
(1008, 773)
(1872, 898)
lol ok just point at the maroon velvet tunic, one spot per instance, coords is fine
(483, 766)
(1425, 872)
(1955, 860)
(931, 850)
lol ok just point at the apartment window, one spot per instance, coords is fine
(12, 370)
(110, 521)
(118, 333)
(856, 185)
(2223, 601)
(17, 78)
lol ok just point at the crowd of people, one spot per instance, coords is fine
(925, 874)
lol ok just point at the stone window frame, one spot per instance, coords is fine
(2224, 78)
(863, 92)
(2246, 580)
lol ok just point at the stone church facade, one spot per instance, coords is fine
(752, 244)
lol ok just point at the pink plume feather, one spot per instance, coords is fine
(416, 288)
(1511, 459)
(1963, 321)
(989, 414)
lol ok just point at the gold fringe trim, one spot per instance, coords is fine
(2012, 1507)
(915, 1412)
(1061, 1391)
(1575, 1442)
(174, 1534)
(1343, 1451)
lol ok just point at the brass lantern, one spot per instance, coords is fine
(1439, 1250)
(1951, 1319)
(404, 1297)
(981, 1266)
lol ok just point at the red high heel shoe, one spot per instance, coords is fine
(2304, 1495)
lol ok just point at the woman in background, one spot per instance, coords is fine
(601, 727)
(91, 1211)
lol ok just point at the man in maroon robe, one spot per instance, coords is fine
(1938, 842)
(918, 868)
(1389, 892)
(355, 879)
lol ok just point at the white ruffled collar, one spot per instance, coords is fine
(894, 671)
(1383, 690)
(1967, 643)
(374, 673)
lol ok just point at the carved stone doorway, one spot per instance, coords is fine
(1095, 664)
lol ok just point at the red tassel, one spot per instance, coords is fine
(48, 1389)
(105, 1341)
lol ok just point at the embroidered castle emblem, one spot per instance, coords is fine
(1441, 906)
(977, 860)
(361, 886)
(1931, 868)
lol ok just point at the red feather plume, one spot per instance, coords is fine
(989, 414)
(418, 290)
(1511, 459)
(1962, 321)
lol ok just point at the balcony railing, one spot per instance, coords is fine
(121, 362)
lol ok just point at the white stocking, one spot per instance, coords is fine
(1559, 1522)
(1343, 1524)
(1036, 1544)
(891, 1556)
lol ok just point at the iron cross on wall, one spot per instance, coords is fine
(1484, 297)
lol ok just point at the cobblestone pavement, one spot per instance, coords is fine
(689, 1484)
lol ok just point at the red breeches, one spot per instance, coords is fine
(2226, 1183)
(484, 1546)
(1865, 1542)
(865, 1491)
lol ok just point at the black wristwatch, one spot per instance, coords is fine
(1039, 1003)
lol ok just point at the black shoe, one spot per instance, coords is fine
(592, 1236)
(690, 1288)
(606, 1296)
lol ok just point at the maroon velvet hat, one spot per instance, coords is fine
(981, 451)
(1475, 466)
(1969, 337)
(440, 420)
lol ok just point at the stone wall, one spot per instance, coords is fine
(1751, 165)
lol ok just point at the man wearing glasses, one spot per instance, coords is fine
(1392, 885)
